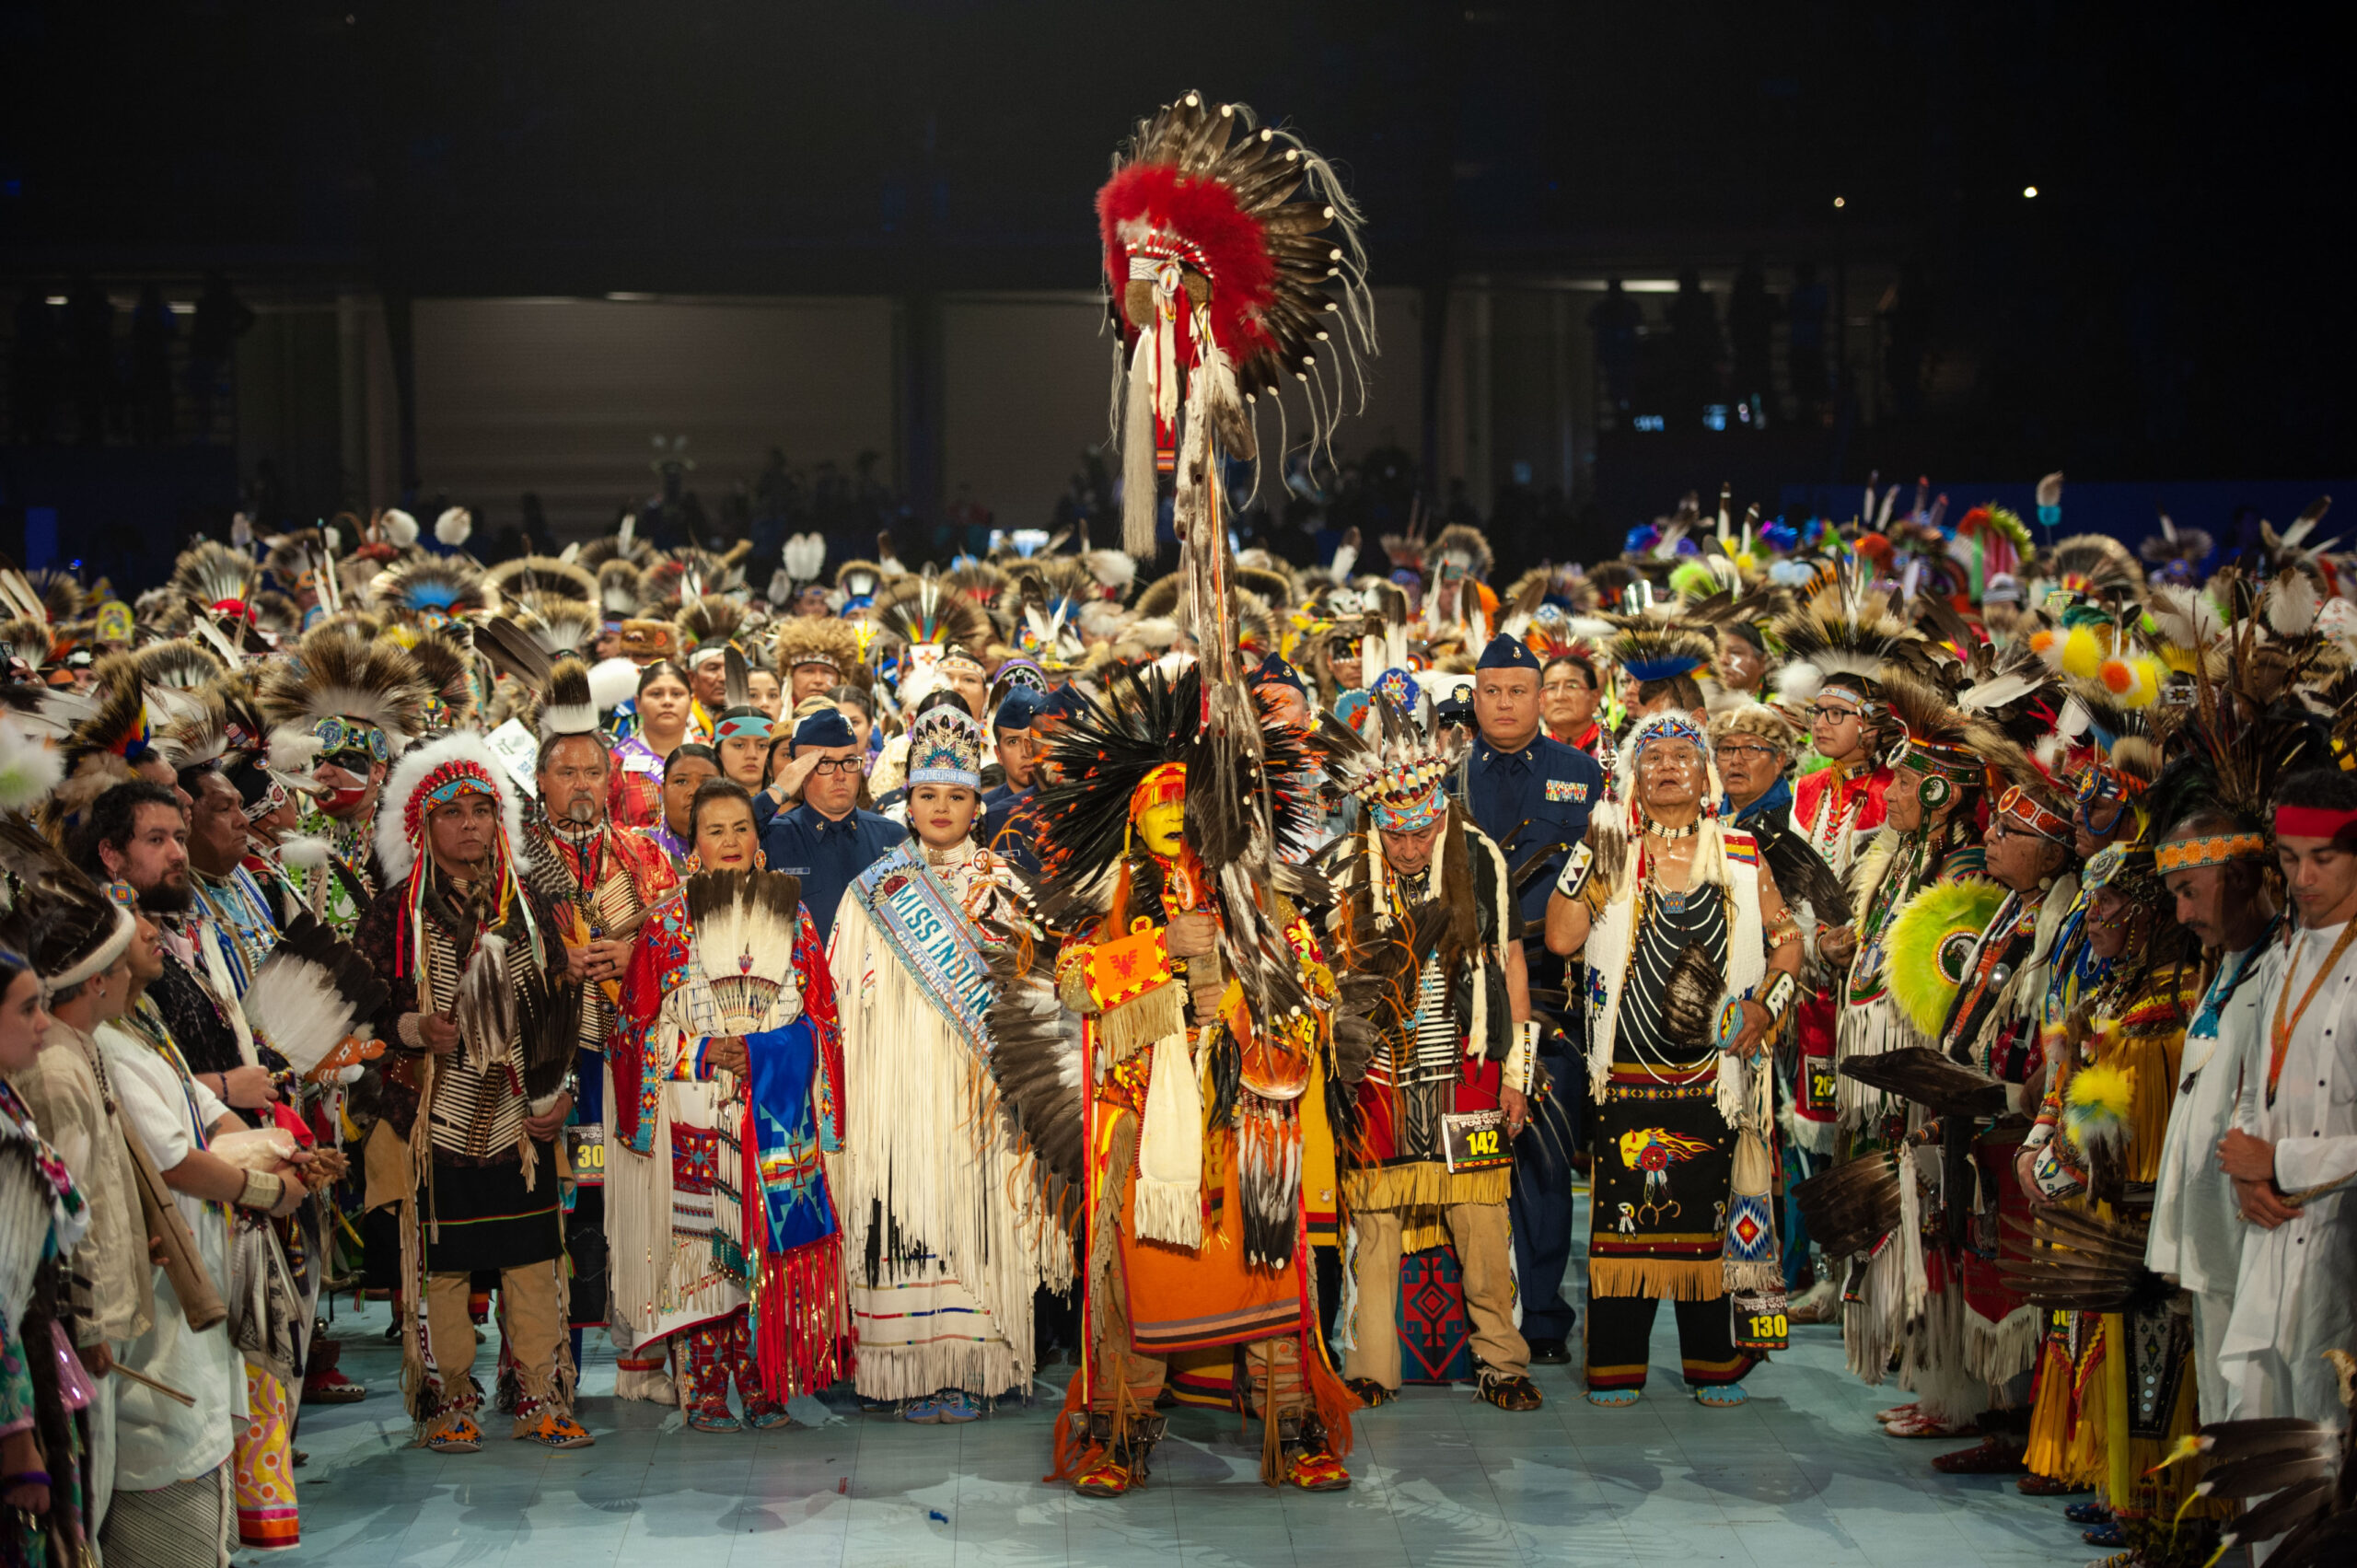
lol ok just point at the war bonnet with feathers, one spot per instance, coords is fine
(423, 770)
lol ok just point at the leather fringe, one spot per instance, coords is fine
(1123, 1031)
(1425, 1184)
(1663, 1279)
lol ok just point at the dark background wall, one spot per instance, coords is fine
(2172, 305)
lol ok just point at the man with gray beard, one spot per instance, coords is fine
(610, 878)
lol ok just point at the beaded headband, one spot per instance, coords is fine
(2018, 806)
(2215, 849)
(740, 724)
(1957, 762)
(1671, 725)
(442, 787)
(2127, 870)
(945, 748)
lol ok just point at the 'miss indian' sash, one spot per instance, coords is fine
(913, 908)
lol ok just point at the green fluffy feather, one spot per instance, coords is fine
(2006, 521)
(1692, 579)
(1930, 943)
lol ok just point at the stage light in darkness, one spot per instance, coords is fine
(1839, 202)
(2028, 190)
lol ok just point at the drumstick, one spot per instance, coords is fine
(163, 1388)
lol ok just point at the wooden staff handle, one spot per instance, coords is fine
(163, 1388)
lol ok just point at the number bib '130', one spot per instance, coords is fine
(1761, 1322)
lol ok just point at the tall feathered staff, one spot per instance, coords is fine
(1217, 277)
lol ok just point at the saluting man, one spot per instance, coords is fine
(1531, 795)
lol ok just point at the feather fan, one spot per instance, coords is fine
(312, 999)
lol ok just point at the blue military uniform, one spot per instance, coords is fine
(1536, 801)
(1008, 804)
(826, 853)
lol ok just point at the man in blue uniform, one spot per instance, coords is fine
(827, 840)
(1533, 795)
(1018, 754)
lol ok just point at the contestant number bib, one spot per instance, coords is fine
(585, 1152)
(1475, 1140)
(1762, 1321)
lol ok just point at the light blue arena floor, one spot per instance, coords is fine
(1800, 1475)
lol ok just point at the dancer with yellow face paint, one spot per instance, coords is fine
(1203, 1130)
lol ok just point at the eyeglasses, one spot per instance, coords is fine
(1727, 750)
(838, 765)
(1820, 713)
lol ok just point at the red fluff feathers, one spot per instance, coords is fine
(1204, 225)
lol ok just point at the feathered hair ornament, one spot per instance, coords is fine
(621, 589)
(124, 724)
(55, 914)
(1990, 541)
(1848, 633)
(537, 579)
(524, 642)
(1661, 653)
(431, 590)
(29, 767)
(927, 614)
(2175, 553)
(2090, 643)
(709, 619)
(358, 687)
(218, 581)
(447, 666)
(62, 596)
(299, 563)
(2096, 565)
(2240, 739)
(1218, 280)
(569, 708)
